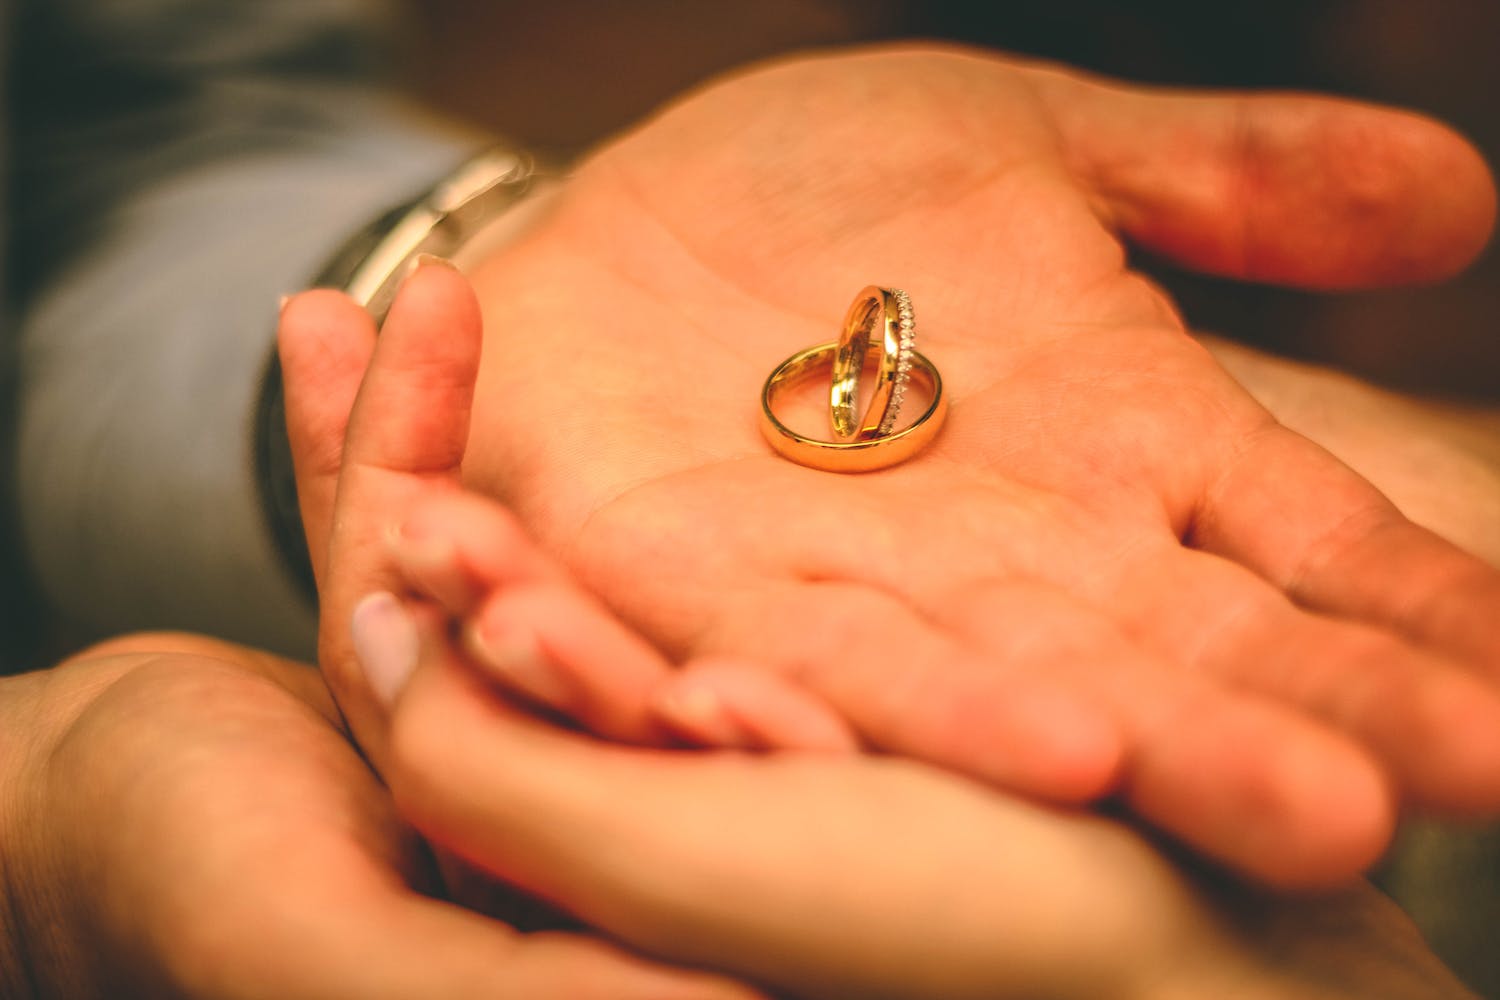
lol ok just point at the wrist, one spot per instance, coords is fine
(20, 719)
(38, 953)
(1349, 943)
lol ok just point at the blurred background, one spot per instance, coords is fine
(560, 76)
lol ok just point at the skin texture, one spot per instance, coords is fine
(183, 810)
(1113, 573)
(170, 754)
(842, 865)
(1437, 461)
(225, 768)
(818, 874)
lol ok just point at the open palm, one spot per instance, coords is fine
(820, 873)
(1113, 570)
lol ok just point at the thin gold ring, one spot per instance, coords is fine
(879, 319)
(864, 454)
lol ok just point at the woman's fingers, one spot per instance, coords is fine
(542, 638)
(455, 547)
(1309, 191)
(523, 623)
(554, 645)
(906, 686)
(819, 874)
(730, 705)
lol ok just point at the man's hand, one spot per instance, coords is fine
(182, 818)
(1113, 571)
(825, 875)
(1438, 461)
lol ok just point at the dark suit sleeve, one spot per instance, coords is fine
(181, 165)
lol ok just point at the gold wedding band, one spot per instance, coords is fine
(879, 319)
(864, 454)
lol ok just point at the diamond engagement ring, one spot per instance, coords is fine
(880, 319)
(880, 322)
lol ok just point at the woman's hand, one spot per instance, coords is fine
(835, 876)
(184, 818)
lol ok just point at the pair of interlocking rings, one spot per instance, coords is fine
(881, 321)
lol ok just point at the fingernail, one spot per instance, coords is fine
(518, 662)
(422, 260)
(282, 304)
(386, 644)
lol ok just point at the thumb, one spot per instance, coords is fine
(1288, 189)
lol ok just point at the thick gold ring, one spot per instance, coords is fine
(861, 455)
(879, 319)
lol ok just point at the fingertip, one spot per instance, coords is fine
(386, 644)
(1457, 774)
(1418, 193)
(1269, 795)
(1471, 203)
(432, 565)
(432, 260)
(697, 715)
(414, 405)
(554, 644)
(321, 314)
(492, 545)
(1338, 817)
(324, 342)
(1080, 751)
(513, 657)
(1025, 736)
(734, 706)
(324, 345)
(435, 291)
(1055, 744)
